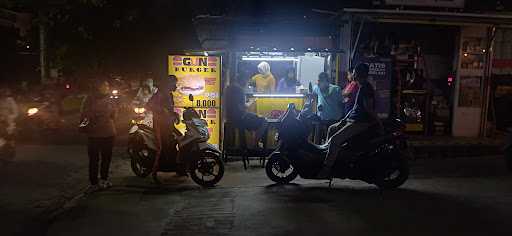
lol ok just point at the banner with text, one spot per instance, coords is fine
(198, 76)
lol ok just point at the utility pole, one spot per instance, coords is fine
(43, 60)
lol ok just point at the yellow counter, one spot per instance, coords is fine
(272, 106)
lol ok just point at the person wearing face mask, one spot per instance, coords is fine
(264, 81)
(101, 112)
(289, 83)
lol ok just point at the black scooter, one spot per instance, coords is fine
(203, 161)
(373, 158)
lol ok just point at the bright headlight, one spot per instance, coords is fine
(139, 110)
(32, 111)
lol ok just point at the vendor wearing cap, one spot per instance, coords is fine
(264, 81)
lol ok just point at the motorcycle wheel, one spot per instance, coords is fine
(141, 161)
(280, 170)
(207, 170)
(396, 175)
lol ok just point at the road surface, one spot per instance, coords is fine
(443, 197)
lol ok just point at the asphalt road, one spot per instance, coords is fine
(444, 197)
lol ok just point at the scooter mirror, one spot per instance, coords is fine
(191, 97)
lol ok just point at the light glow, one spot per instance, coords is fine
(269, 59)
(32, 111)
(298, 95)
(139, 110)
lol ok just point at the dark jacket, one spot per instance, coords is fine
(101, 112)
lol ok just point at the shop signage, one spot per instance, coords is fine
(198, 76)
(427, 3)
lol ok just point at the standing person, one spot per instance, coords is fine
(101, 112)
(359, 119)
(330, 101)
(349, 96)
(264, 81)
(349, 92)
(289, 83)
(161, 104)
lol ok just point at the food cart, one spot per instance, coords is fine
(306, 65)
(201, 74)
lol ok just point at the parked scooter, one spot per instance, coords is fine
(203, 161)
(508, 149)
(373, 158)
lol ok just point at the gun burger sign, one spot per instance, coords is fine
(197, 75)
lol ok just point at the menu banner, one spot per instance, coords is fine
(198, 76)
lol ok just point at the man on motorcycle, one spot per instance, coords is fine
(161, 104)
(357, 120)
(145, 92)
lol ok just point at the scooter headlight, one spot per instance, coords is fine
(32, 111)
(139, 110)
(115, 94)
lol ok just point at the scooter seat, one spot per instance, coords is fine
(323, 147)
(314, 148)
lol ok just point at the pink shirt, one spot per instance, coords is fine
(351, 91)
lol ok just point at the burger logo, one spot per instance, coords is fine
(191, 84)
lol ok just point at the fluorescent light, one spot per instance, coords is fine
(296, 95)
(269, 59)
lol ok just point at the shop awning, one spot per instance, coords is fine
(279, 32)
(432, 17)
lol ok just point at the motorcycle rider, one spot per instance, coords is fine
(145, 92)
(358, 120)
(161, 104)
